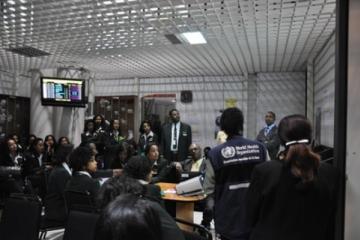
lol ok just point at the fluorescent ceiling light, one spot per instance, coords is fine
(194, 37)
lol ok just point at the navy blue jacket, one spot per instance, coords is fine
(233, 162)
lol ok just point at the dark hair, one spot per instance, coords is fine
(174, 109)
(62, 153)
(273, 114)
(138, 167)
(79, 158)
(141, 129)
(111, 124)
(148, 147)
(299, 155)
(116, 186)
(87, 123)
(232, 121)
(34, 143)
(102, 119)
(206, 151)
(129, 217)
(61, 138)
(29, 137)
(4, 148)
(47, 138)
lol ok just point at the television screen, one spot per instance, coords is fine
(62, 92)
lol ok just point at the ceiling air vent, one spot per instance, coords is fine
(172, 38)
(28, 51)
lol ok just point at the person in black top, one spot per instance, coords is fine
(147, 136)
(89, 134)
(49, 146)
(162, 171)
(129, 217)
(58, 178)
(228, 173)
(35, 165)
(118, 186)
(83, 163)
(175, 138)
(10, 167)
(139, 168)
(269, 136)
(293, 197)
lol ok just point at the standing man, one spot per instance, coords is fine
(175, 138)
(269, 136)
(228, 174)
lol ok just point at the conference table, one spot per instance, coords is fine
(184, 204)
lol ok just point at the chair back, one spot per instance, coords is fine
(21, 217)
(80, 225)
(80, 201)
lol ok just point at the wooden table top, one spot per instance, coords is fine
(168, 189)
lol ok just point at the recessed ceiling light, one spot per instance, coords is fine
(11, 2)
(107, 2)
(194, 37)
(119, 1)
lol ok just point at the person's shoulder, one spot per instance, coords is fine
(269, 166)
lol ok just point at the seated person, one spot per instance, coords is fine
(162, 171)
(35, 165)
(129, 217)
(139, 168)
(10, 167)
(83, 164)
(193, 166)
(59, 176)
(119, 186)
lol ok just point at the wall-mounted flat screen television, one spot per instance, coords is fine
(62, 92)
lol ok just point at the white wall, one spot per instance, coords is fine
(324, 90)
(282, 93)
(253, 95)
(16, 85)
(352, 206)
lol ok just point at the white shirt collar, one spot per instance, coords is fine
(84, 173)
(64, 164)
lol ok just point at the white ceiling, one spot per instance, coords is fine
(125, 38)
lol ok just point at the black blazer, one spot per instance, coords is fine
(280, 206)
(83, 183)
(149, 139)
(185, 139)
(271, 141)
(54, 199)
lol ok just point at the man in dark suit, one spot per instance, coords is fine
(269, 136)
(175, 138)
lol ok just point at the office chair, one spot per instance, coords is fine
(80, 225)
(21, 217)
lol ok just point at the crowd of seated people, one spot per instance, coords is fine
(118, 173)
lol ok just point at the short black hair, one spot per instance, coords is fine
(129, 217)
(138, 167)
(62, 153)
(174, 109)
(141, 128)
(148, 147)
(232, 121)
(79, 158)
(272, 113)
(117, 186)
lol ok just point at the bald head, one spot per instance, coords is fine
(195, 151)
